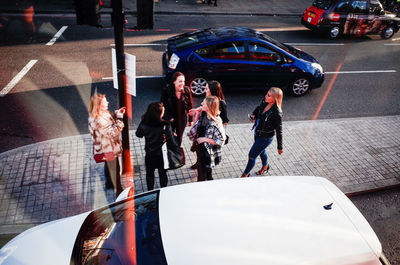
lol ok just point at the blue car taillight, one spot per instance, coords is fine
(173, 61)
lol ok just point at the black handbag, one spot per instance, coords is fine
(173, 155)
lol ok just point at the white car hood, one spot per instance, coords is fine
(47, 244)
(272, 220)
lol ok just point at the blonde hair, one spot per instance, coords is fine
(277, 94)
(94, 107)
(212, 103)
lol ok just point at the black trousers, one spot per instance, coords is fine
(154, 162)
(204, 171)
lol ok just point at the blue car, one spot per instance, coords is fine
(240, 56)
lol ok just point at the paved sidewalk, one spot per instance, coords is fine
(58, 178)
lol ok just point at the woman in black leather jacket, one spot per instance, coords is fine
(268, 121)
(154, 129)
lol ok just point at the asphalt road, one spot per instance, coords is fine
(381, 209)
(51, 100)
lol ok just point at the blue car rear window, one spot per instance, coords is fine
(322, 4)
(186, 42)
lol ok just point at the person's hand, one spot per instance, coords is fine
(171, 120)
(121, 112)
(251, 117)
(280, 151)
(201, 140)
(192, 112)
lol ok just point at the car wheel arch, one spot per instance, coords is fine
(389, 31)
(335, 32)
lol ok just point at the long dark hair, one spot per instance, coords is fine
(171, 85)
(153, 113)
(175, 76)
(216, 89)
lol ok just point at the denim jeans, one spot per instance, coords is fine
(258, 149)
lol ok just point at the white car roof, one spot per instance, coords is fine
(264, 220)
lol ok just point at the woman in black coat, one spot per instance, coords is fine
(177, 101)
(156, 131)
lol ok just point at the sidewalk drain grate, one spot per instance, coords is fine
(41, 170)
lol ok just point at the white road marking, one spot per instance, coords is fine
(361, 72)
(282, 29)
(17, 78)
(328, 73)
(57, 35)
(141, 44)
(392, 44)
(140, 77)
(314, 44)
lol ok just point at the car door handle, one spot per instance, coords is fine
(231, 69)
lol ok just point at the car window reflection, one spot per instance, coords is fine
(106, 236)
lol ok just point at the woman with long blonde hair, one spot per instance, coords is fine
(268, 122)
(105, 129)
(209, 134)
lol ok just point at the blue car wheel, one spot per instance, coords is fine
(198, 86)
(299, 86)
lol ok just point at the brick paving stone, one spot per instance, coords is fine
(58, 178)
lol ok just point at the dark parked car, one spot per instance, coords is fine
(240, 56)
(354, 17)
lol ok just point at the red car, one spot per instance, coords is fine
(354, 17)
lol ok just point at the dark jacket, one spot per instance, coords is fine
(269, 122)
(223, 113)
(154, 136)
(168, 98)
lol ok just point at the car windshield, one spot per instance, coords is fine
(107, 235)
(284, 47)
(322, 4)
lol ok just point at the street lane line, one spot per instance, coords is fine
(392, 44)
(17, 78)
(141, 44)
(314, 44)
(327, 73)
(282, 29)
(361, 72)
(58, 34)
(140, 77)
